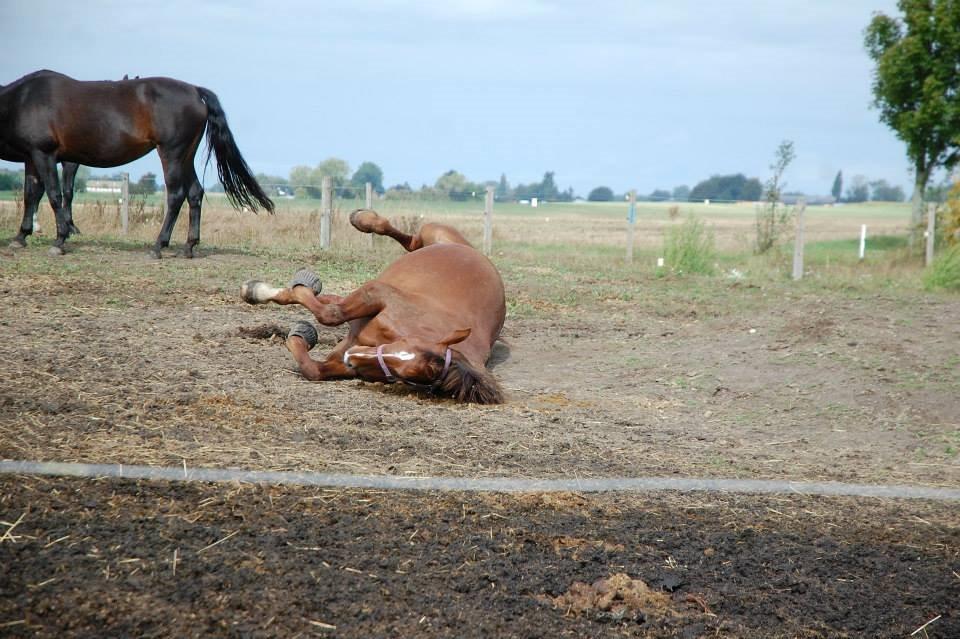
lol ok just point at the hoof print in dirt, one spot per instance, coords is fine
(306, 277)
(306, 331)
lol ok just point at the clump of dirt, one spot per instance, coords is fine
(616, 598)
(263, 331)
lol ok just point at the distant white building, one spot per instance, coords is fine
(104, 186)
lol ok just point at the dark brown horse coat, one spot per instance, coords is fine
(47, 117)
(429, 320)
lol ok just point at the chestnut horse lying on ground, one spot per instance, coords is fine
(429, 320)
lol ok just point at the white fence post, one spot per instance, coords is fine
(631, 223)
(931, 232)
(863, 240)
(798, 241)
(125, 203)
(488, 222)
(326, 211)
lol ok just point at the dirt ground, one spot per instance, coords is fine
(106, 357)
(126, 559)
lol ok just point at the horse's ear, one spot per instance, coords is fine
(455, 337)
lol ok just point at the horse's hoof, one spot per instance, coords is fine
(256, 292)
(17, 244)
(308, 278)
(154, 254)
(56, 251)
(305, 331)
(187, 253)
(364, 220)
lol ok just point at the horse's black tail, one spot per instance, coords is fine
(242, 188)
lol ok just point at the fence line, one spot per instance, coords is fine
(481, 484)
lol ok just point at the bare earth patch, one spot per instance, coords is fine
(106, 357)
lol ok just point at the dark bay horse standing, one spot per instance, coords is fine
(429, 320)
(47, 117)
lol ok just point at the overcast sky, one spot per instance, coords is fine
(626, 94)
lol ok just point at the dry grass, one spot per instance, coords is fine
(297, 224)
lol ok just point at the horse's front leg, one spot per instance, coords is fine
(46, 166)
(301, 339)
(32, 194)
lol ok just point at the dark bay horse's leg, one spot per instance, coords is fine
(69, 177)
(47, 169)
(367, 221)
(194, 198)
(32, 193)
(175, 176)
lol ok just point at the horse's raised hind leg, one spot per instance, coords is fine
(32, 193)
(367, 221)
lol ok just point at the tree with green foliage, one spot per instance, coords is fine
(453, 184)
(601, 194)
(681, 193)
(881, 191)
(916, 84)
(368, 172)
(11, 180)
(146, 185)
(502, 191)
(837, 189)
(859, 190)
(728, 187)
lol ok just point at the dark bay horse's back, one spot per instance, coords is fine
(100, 124)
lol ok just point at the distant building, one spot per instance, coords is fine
(104, 186)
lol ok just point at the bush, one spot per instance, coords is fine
(689, 248)
(600, 194)
(945, 271)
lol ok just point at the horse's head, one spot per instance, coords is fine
(410, 360)
(429, 366)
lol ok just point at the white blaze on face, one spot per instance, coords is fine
(403, 356)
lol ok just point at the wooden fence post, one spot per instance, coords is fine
(488, 222)
(326, 210)
(931, 232)
(631, 223)
(369, 205)
(798, 241)
(125, 202)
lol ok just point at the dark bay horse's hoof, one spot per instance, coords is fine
(154, 254)
(56, 251)
(17, 243)
(308, 278)
(188, 253)
(305, 331)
